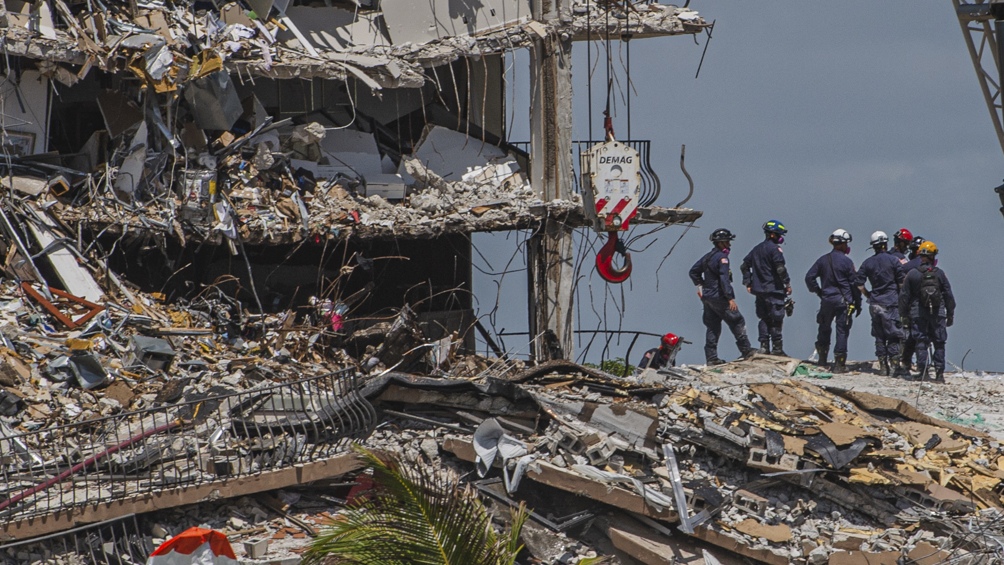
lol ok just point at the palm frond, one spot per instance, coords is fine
(416, 515)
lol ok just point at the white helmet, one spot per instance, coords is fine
(840, 236)
(879, 237)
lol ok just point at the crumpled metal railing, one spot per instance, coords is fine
(221, 436)
(112, 542)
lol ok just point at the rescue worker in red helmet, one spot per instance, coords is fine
(664, 355)
(901, 244)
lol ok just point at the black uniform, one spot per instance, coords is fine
(658, 357)
(713, 274)
(929, 318)
(767, 277)
(837, 291)
(883, 271)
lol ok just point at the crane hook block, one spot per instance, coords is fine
(605, 258)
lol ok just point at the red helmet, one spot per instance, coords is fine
(903, 235)
(670, 340)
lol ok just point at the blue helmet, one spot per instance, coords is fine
(774, 226)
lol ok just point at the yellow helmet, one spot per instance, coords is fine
(927, 248)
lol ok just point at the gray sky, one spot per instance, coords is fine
(860, 115)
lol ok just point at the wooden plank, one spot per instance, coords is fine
(169, 498)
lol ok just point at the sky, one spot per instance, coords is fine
(823, 115)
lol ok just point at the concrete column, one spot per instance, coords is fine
(549, 260)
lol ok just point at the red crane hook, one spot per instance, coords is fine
(605, 258)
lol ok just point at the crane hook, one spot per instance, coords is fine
(605, 258)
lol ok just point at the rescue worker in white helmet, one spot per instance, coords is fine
(832, 278)
(883, 271)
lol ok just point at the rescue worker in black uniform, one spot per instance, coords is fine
(839, 298)
(927, 304)
(766, 277)
(664, 355)
(712, 276)
(883, 271)
(909, 343)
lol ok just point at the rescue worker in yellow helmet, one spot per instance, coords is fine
(927, 306)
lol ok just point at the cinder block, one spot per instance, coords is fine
(750, 502)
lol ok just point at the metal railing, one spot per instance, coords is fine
(113, 542)
(193, 442)
(650, 184)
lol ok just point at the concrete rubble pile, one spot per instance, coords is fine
(139, 397)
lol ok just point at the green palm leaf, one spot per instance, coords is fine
(416, 515)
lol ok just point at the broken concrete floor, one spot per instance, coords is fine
(771, 468)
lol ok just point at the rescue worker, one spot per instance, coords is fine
(832, 278)
(883, 271)
(926, 302)
(901, 245)
(766, 277)
(713, 278)
(662, 356)
(914, 246)
(909, 345)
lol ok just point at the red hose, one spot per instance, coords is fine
(605, 259)
(73, 470)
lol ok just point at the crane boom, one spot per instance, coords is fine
(978, 20)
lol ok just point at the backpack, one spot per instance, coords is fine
(930, 292)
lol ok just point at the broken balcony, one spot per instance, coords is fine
(89, 468)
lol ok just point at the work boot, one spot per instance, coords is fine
(749, 353)
(778, 349)
(939, 376)
(839, 362)
(764, 347)
(894, 369)
(884, 366)
(822, 353)
(907, 364)
(715, 361)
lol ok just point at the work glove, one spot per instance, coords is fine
(857, 310)
(950, 321)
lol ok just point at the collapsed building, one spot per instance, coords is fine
(237, 239)
(304, 151)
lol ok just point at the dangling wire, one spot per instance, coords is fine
(626, 38)
(606, 35)
(589, 67)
